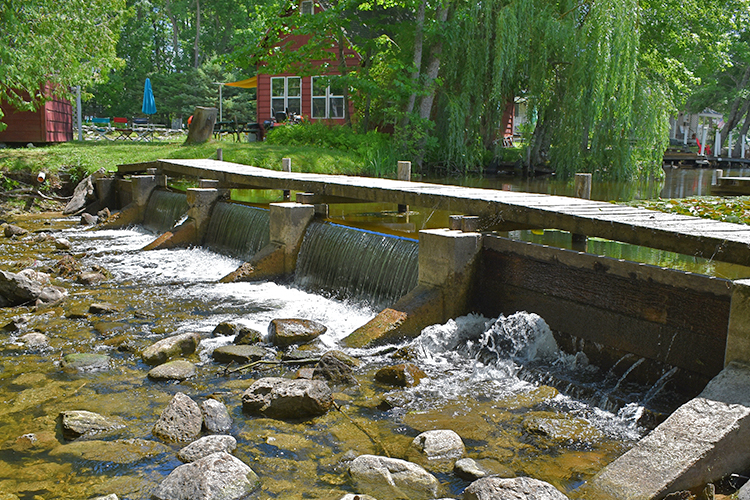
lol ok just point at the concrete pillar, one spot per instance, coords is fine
(738, 331)
(141, 188)
(288, 222)
(105, 190)
(201, 202)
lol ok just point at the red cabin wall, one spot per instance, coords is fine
(52, 122)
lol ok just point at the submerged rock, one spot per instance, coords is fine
(164, 349)
(82, 361)
(77, 423)
(35, 340)
(180, 421)
(403, 375)
(240, 353)
(333, 369)
(13, 230)
(179, 369)
(285, 332)
(219, 476)
(120, 451)
(205, 446)
(438, 445)
(103, 308)
(520, 488)
(216, 418)
(392, 478)
(287, 399)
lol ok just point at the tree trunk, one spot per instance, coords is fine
(175, 34)
(735, 115)
(196, 48)
(433, 69)
(417, 61)
(366, 62)
(202, 125)
(540, 143)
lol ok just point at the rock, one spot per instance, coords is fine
(403, 375)
(392, 478)
(62, 244)
(468, 469)
(103, 308)
(216, 418)
(305, 372)
(287, 399)
(180, 421)
(219, 476)
(85, 362)
(107, 497)
(285, 332)
(35, 340)
(89, 220)
(16, 289)
(247, 336)
(76, 423)
(520, 488)
(438, 445)
(225, 329)
(179, 369)
(15, 323)
(39, 277)
(82, 196)
(103, 214)
(205, 446)
(351, 496)
(164, 349)
(120, 451)
(51, 294)
(90, 278)
(332, 369)
(241, 354)
(561, 429)
(13, 230)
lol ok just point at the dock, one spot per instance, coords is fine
(672, 232)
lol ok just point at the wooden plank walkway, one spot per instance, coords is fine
(677, 233)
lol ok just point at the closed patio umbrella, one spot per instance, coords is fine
(149, 104)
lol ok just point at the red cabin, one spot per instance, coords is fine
(309, 96)
(52, 122)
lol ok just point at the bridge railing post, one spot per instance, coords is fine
(404, 174)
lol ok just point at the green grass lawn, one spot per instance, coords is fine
(79, 158)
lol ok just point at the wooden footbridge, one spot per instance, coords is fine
(677, 233)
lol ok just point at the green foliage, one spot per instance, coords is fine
(731, 209)
(63, 43)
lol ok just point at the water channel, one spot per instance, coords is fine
(521, 406)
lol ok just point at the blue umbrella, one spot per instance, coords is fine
(149, 104)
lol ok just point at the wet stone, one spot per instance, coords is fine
(179, 369)
(13, 230)
(89, 220)
(247, 336)
(77, 423)
(62, 244)
(305, 373)
(164, 349)
(520, 488)
(335, 371)
(86, 362)
(240, 353)
(403, 375)
(35, 340)
(287, 399)
(90, 278)
(216, 418)
(438, 444)
(103, 308)
(225, 329)
(219, 476)
(121, 451)
(107, 497)
(468, 469)
(15, 324)
(286, 332)
(206, 446)
(392, 478)
(180, 421)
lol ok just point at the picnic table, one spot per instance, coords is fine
(237, 128)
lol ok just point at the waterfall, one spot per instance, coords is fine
(356, 264)
(164, 209)
(237, 230)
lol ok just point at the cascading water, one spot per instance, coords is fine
(164, 209)
(237, 230)
(351, 263)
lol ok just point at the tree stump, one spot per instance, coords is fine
(202, 126)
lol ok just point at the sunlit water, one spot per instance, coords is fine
(486, 380)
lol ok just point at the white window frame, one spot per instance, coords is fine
(307, 7)
(286, 97)
(329, 98)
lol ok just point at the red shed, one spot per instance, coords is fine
(52, 122)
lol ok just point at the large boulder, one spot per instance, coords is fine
(82, 196)
(392, 478)
(205, 446)
(17, 289)
(77, 423)
(285, 332)
(334, 369)
(161, 351)
(287, 399)
(517, 488)
(180, 421)
(219, 476)
(216, 418)
(11, 230)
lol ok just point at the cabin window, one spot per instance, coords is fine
(286, 95)
(327, 98)
(306, 7)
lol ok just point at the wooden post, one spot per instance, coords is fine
(582, 190)
(220, 154)
(202, 126)
(286, 166)
(404, 174)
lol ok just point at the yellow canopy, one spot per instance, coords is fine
(250, 83)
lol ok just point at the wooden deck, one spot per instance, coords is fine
(677, 233)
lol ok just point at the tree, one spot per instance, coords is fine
(63, 43)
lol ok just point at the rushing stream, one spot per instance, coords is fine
(486, 381)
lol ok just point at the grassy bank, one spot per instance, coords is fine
(80, 158)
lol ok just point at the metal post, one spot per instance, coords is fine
(717, 144)
(703, 141)
(729, 144)
(79, 112)
(221, 103)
